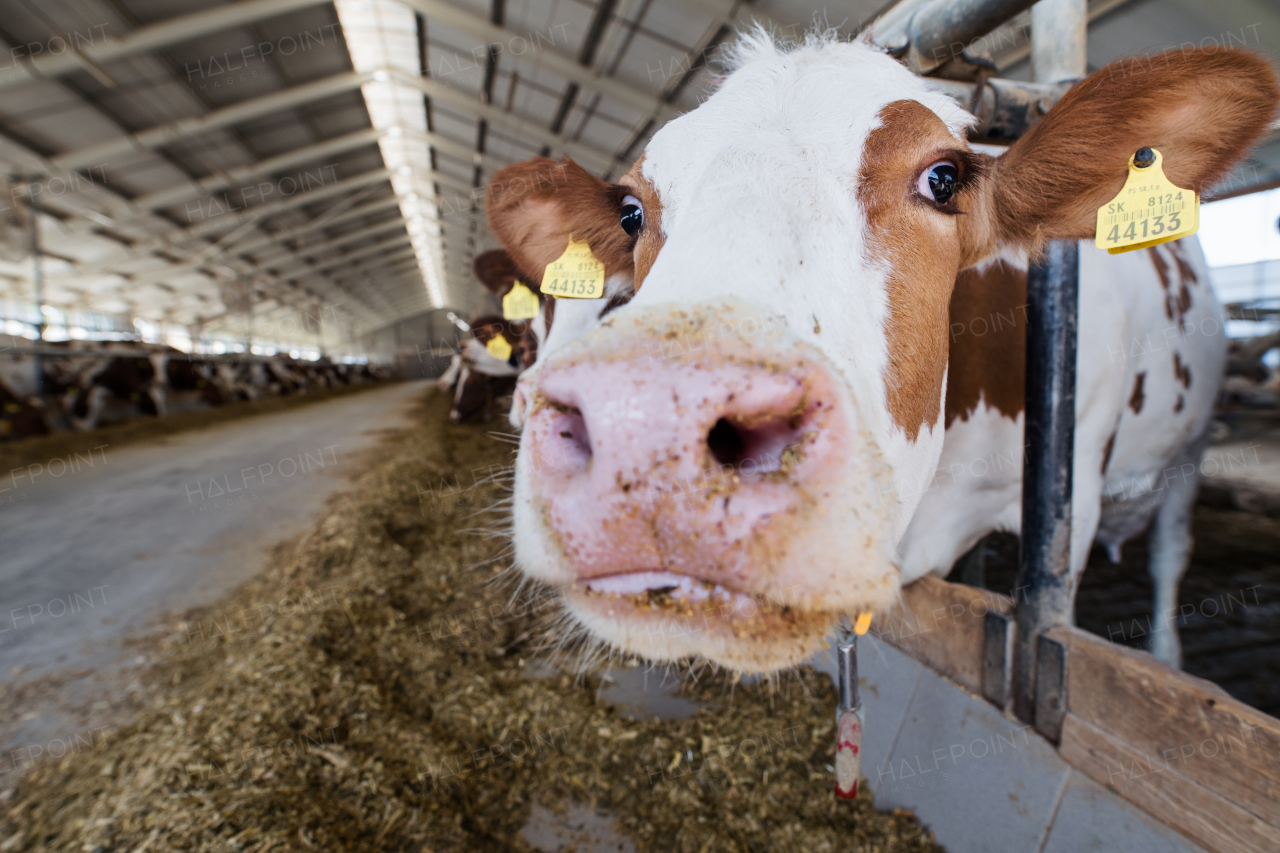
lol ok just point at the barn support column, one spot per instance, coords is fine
(1044, 594)
(37, 285)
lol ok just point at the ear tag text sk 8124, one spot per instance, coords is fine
(1149, 209)
(520, 303)
(849, 716)
(576, 274)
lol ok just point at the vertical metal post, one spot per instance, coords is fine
(1044, 580)
(1044, 594)
(248, 322)
(37, 283)
(1058, 50)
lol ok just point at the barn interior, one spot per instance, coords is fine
(241, 237)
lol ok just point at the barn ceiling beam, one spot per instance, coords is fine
(734, 12)
(394, 244)
(21, 156)
(242, 252)
(175, 238)
(383, 271)
(319, 223)
(284, 287)
(281, 277)
(379, 275)
(165, 293)
(152, 37)
(318, 252)
(167, 134)
(205, 187)
(551, 59)
(591, 157)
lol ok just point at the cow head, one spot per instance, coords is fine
(718, 459)
(498, 273)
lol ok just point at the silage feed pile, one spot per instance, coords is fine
(376, 689)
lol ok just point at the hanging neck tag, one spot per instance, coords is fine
(498, 348)
(1149, 209)
(520, 303)
(576, 274)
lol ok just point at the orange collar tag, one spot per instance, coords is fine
(1148, 211)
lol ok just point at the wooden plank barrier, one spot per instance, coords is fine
(942, 625)
(1177, 746)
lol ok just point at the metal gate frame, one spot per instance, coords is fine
(925, 34)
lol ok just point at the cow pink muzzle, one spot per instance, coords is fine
(685, 496)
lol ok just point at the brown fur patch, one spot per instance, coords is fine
(651, 238)
(1202, 109)
(1184, 264)
(1162, 270)
(497, 272)
(549, 312)
(1176, 304)
(921, 248)
(1180, 405)
(1106, 451)
(535, 205)
(1181, 372)
(988, 342)
(1138, 397)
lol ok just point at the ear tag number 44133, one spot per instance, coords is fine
(576, 274)
(1149, 209)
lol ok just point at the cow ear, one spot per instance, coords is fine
(496, 271)
(536, 205)
(1202, 109)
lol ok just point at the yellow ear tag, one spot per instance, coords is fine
(576, 274)
(498, 348)
(864, 622)
(520, 303)
(1149, 210)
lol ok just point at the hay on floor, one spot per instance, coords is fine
(377, 689)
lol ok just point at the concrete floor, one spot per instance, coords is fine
(95, 556)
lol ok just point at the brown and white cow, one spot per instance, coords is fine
(475, 377)
(745, 432)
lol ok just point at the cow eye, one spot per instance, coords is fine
(632, 216)
(938, 182)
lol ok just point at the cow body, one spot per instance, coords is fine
(1150, 358)
(741, 443)
(475, 377)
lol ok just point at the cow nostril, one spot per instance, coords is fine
(725, 443)
(570, 446)
(762, 447)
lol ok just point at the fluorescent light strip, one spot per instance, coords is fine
(382, 35)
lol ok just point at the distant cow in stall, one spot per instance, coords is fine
(286, 377)
(185, 381)
(763, 417)
(113, 387)
(475, 376)
(19, 417)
